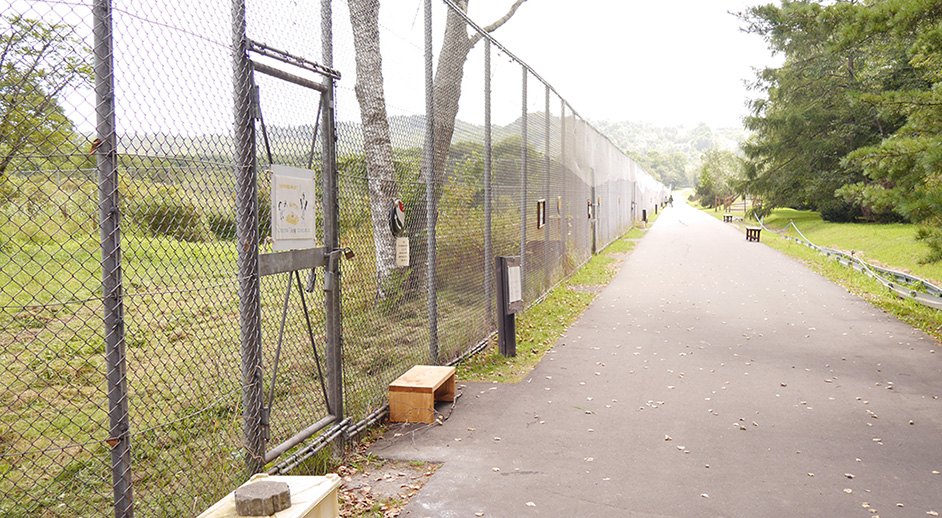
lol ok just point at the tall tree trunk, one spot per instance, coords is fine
(446, 94)
(377, 144)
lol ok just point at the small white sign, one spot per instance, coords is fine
(514, 293)
(292, 207)
(402, 251)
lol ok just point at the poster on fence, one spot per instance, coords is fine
(292, 208)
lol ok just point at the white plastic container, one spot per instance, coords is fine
(311, 497)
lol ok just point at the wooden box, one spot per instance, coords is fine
(413, 395)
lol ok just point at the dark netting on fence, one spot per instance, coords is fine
(159, 341)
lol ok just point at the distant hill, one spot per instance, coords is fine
(642, 140)
(641, 137)
(655, 147)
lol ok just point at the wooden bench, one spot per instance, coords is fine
(413, 395)
(727, 218)
(752, 233)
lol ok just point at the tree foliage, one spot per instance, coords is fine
(905, 170)
(39, 63)
(668, 168)
(850, 124)
(719, 176)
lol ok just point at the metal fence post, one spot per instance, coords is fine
(430, 202)
(563, 223)
(331, 200)
(111, 283)
(488, 258)
(594, 220)
(523, 185)
(247, 239)
(546, 194)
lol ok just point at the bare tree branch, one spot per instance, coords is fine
(496, 25)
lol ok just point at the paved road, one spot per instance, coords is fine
(713, 377)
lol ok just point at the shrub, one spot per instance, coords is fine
(161, 211)
(222, 219)
(839, 211)
(932, 237)
(264, 211)
(7, 189)
(223, 226)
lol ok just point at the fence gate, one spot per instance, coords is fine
(290, 361)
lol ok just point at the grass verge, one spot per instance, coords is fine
(541, 325)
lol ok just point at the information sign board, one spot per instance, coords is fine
(292, 208)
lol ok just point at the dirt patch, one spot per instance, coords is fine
(373, 487)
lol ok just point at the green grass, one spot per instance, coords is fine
(892, 245)
(541, 325)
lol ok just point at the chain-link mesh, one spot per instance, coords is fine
(140, 346)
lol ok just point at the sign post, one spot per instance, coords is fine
(509, 302)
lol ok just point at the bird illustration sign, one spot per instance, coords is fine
(397, 218)
(292, 207)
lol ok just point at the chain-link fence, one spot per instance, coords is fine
(154, 349)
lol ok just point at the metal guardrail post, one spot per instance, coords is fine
(119, 438)
(331, 201)
(247, 239)
(488, 251)
(431, 209)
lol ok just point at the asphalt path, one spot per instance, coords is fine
(712, 377)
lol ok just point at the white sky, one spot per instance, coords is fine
(666, 62)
